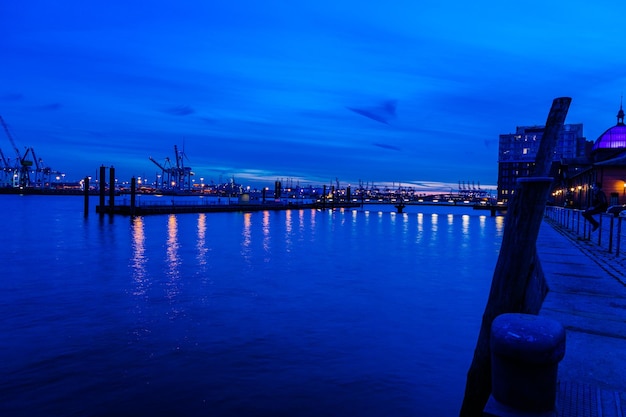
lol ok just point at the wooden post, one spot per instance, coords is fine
(102, 189)
(86, 195)
(619, 234)
(133, 191)
(611, 233)
(518, 284)
(111, 189)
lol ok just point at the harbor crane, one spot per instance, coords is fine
(163, 179)
(5, 163)
(24, 165)
(7, 170)
(176, 176)
(42, 172)
(183, 172)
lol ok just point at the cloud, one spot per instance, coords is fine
(11, 97)
(385, 146)
(50, 107)
(381, 113)
(180, 110)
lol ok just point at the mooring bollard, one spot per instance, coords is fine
(525, 354)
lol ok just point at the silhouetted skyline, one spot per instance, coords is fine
(310, 91)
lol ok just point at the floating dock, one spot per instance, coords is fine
(493, 208)
(177, 208)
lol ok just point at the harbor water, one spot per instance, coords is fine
(360, 312)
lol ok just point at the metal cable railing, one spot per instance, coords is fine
(610, 235)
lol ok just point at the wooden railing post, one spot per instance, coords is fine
(611, 234)
(619, 236)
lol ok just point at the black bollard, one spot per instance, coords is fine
(525, 353)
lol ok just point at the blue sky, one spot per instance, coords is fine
(308, 91)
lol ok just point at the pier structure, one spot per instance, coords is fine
(241, 203)
(283, 198)
(588, 297)
(179, 208)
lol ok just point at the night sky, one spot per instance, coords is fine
(402, 91)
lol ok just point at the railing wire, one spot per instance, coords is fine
(608, 236)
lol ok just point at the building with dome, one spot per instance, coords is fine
(612, 142)
(606, 166)
(577, 163)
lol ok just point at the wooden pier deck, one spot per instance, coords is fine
(588, 296)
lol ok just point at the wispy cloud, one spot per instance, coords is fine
(11, 97)
(179, 110)
(50, 107)
(387, 146)
(381, 113)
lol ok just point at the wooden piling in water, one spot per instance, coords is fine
(518, 284)
(102, 189)
(86, 196)
(133, 195)
(111, 189)
(277, 189)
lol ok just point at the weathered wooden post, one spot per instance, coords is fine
(277, 189)
(102, 189)
(86, 196)
(619, 234)
(518, 284)
(111, 189)
(133, 192)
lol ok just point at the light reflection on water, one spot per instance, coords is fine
(139, 258)
(360, 312)
(266, 233)
(201, 243)
(246, 236)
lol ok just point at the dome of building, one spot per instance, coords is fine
(614, 137)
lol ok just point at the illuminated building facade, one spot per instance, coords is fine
(517, 152)
(605, 165)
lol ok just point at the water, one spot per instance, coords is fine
(296, 313)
